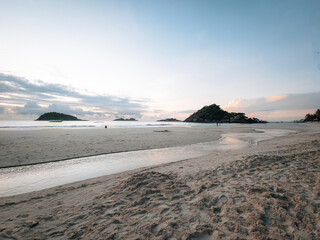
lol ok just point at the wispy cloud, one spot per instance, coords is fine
(20, 97)
(275, 98)
(281, 107)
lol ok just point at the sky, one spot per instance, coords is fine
(157, 59)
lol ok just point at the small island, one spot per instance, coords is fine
(169, 120)
(214, 114)
(57, 117)
(125, 119)
(313, 117)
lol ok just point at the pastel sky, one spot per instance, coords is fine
(158, 59)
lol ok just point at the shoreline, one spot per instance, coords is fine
(53, 145)
(267, 190)
(22, 179)
(127, 151)
(18, 147)
(251, 150)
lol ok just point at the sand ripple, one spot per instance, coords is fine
(275, 195)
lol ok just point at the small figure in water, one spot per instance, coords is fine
(105, 126)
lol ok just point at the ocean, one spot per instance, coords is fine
(35, 125)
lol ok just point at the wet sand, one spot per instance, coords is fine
(271, 190)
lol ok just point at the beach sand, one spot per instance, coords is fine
(36, 146)
(271, 190)
(29, 147)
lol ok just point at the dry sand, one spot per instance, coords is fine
(28, 147)
(268, 191)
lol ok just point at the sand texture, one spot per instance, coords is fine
(269, 191)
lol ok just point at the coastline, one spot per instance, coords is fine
(267, 190)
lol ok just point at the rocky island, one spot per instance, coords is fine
(214, 114)
(125, 119)
(54, 116)
(169, 120)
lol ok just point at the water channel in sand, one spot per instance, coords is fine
(23, 179)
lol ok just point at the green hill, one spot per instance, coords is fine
(214, 114)
(54, 116)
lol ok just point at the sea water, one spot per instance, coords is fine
(35, 125)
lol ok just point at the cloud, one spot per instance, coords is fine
(187, 111)
(34, 98)
(30, 108)
(281, 107)
(275, 98)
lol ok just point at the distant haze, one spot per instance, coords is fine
(159, 59)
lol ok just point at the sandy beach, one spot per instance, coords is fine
(29, 147)
(270, 190)
(160, 120)
(37, 146)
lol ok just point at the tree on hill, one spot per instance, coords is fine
(169, 120)
(208, 114)
(214, 114)
(54, 116)
(125, 119)
(313, 117)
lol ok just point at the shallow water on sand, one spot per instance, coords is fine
(18, 180)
